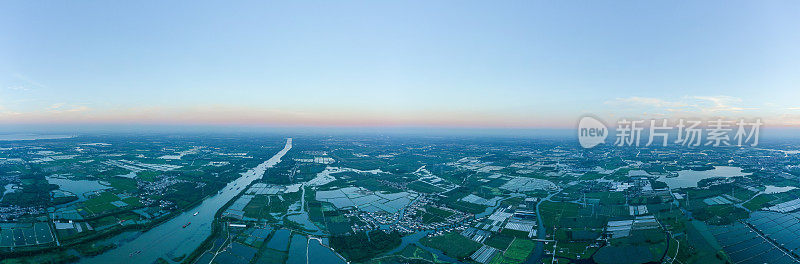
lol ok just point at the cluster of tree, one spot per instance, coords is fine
(34, 191)
(185, 194)
(363, 246)
(281, 173)
(721, 214)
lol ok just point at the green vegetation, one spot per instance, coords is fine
(409, 254)
(149, 176)
(452, 244)
(268, 256)
(552, 212)
(721, 214)
(262, 206)
(467, 207)
(608, 198)
(499, 241)
(123, 184)
(704, 249)
(101, 203)
(360, 247)
(758, 202)
(468, 167)
(623, 255)
(591, 176)
(518, 252)
(640, 247)
(431, 214)
(424, 187)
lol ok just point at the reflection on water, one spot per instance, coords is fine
(171, 239)
(317, 253)
(279, 240)
(297, 251)
(302, 219)
(690, 178)
(81, 188)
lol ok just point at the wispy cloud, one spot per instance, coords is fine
(64, 108)
(707, 105)
(56, 106)
(18, 88)
(645, 101)
(5, 112)
(720, 104)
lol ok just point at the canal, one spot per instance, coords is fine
(171, 239)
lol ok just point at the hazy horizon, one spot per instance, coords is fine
(539, 133)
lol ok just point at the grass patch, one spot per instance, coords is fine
(517, 252)
(758, 202)
(452, 244)
(101, 203)
(721, 214)
(552, 212)
(467, 207)
(148, 175)
(499, 241)
(360, 247)
(123, 184)
(424, 187)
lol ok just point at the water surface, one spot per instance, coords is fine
(170, 240)
(690, 178)
(80, 188)
(319, 254)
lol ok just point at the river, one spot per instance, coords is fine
(541, 233)
(170, 239)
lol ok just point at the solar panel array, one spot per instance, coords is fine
(784, 229)
(745, 245)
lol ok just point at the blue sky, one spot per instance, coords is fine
(377, 63)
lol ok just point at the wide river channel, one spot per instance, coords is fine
(171, 239)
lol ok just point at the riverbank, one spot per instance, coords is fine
(176, 238)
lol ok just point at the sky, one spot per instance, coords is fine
(478, 64)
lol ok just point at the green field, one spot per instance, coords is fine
(432, 214)
(261, 206)
(623, 255)
(452, 244)
(409, 254)
(467, 207)
(517, 252)
(424, 187)
(123, 184)
(758, 202)
(148, 175)
(499, 241)
(271, 256)
(101, 203)
(552, 212)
